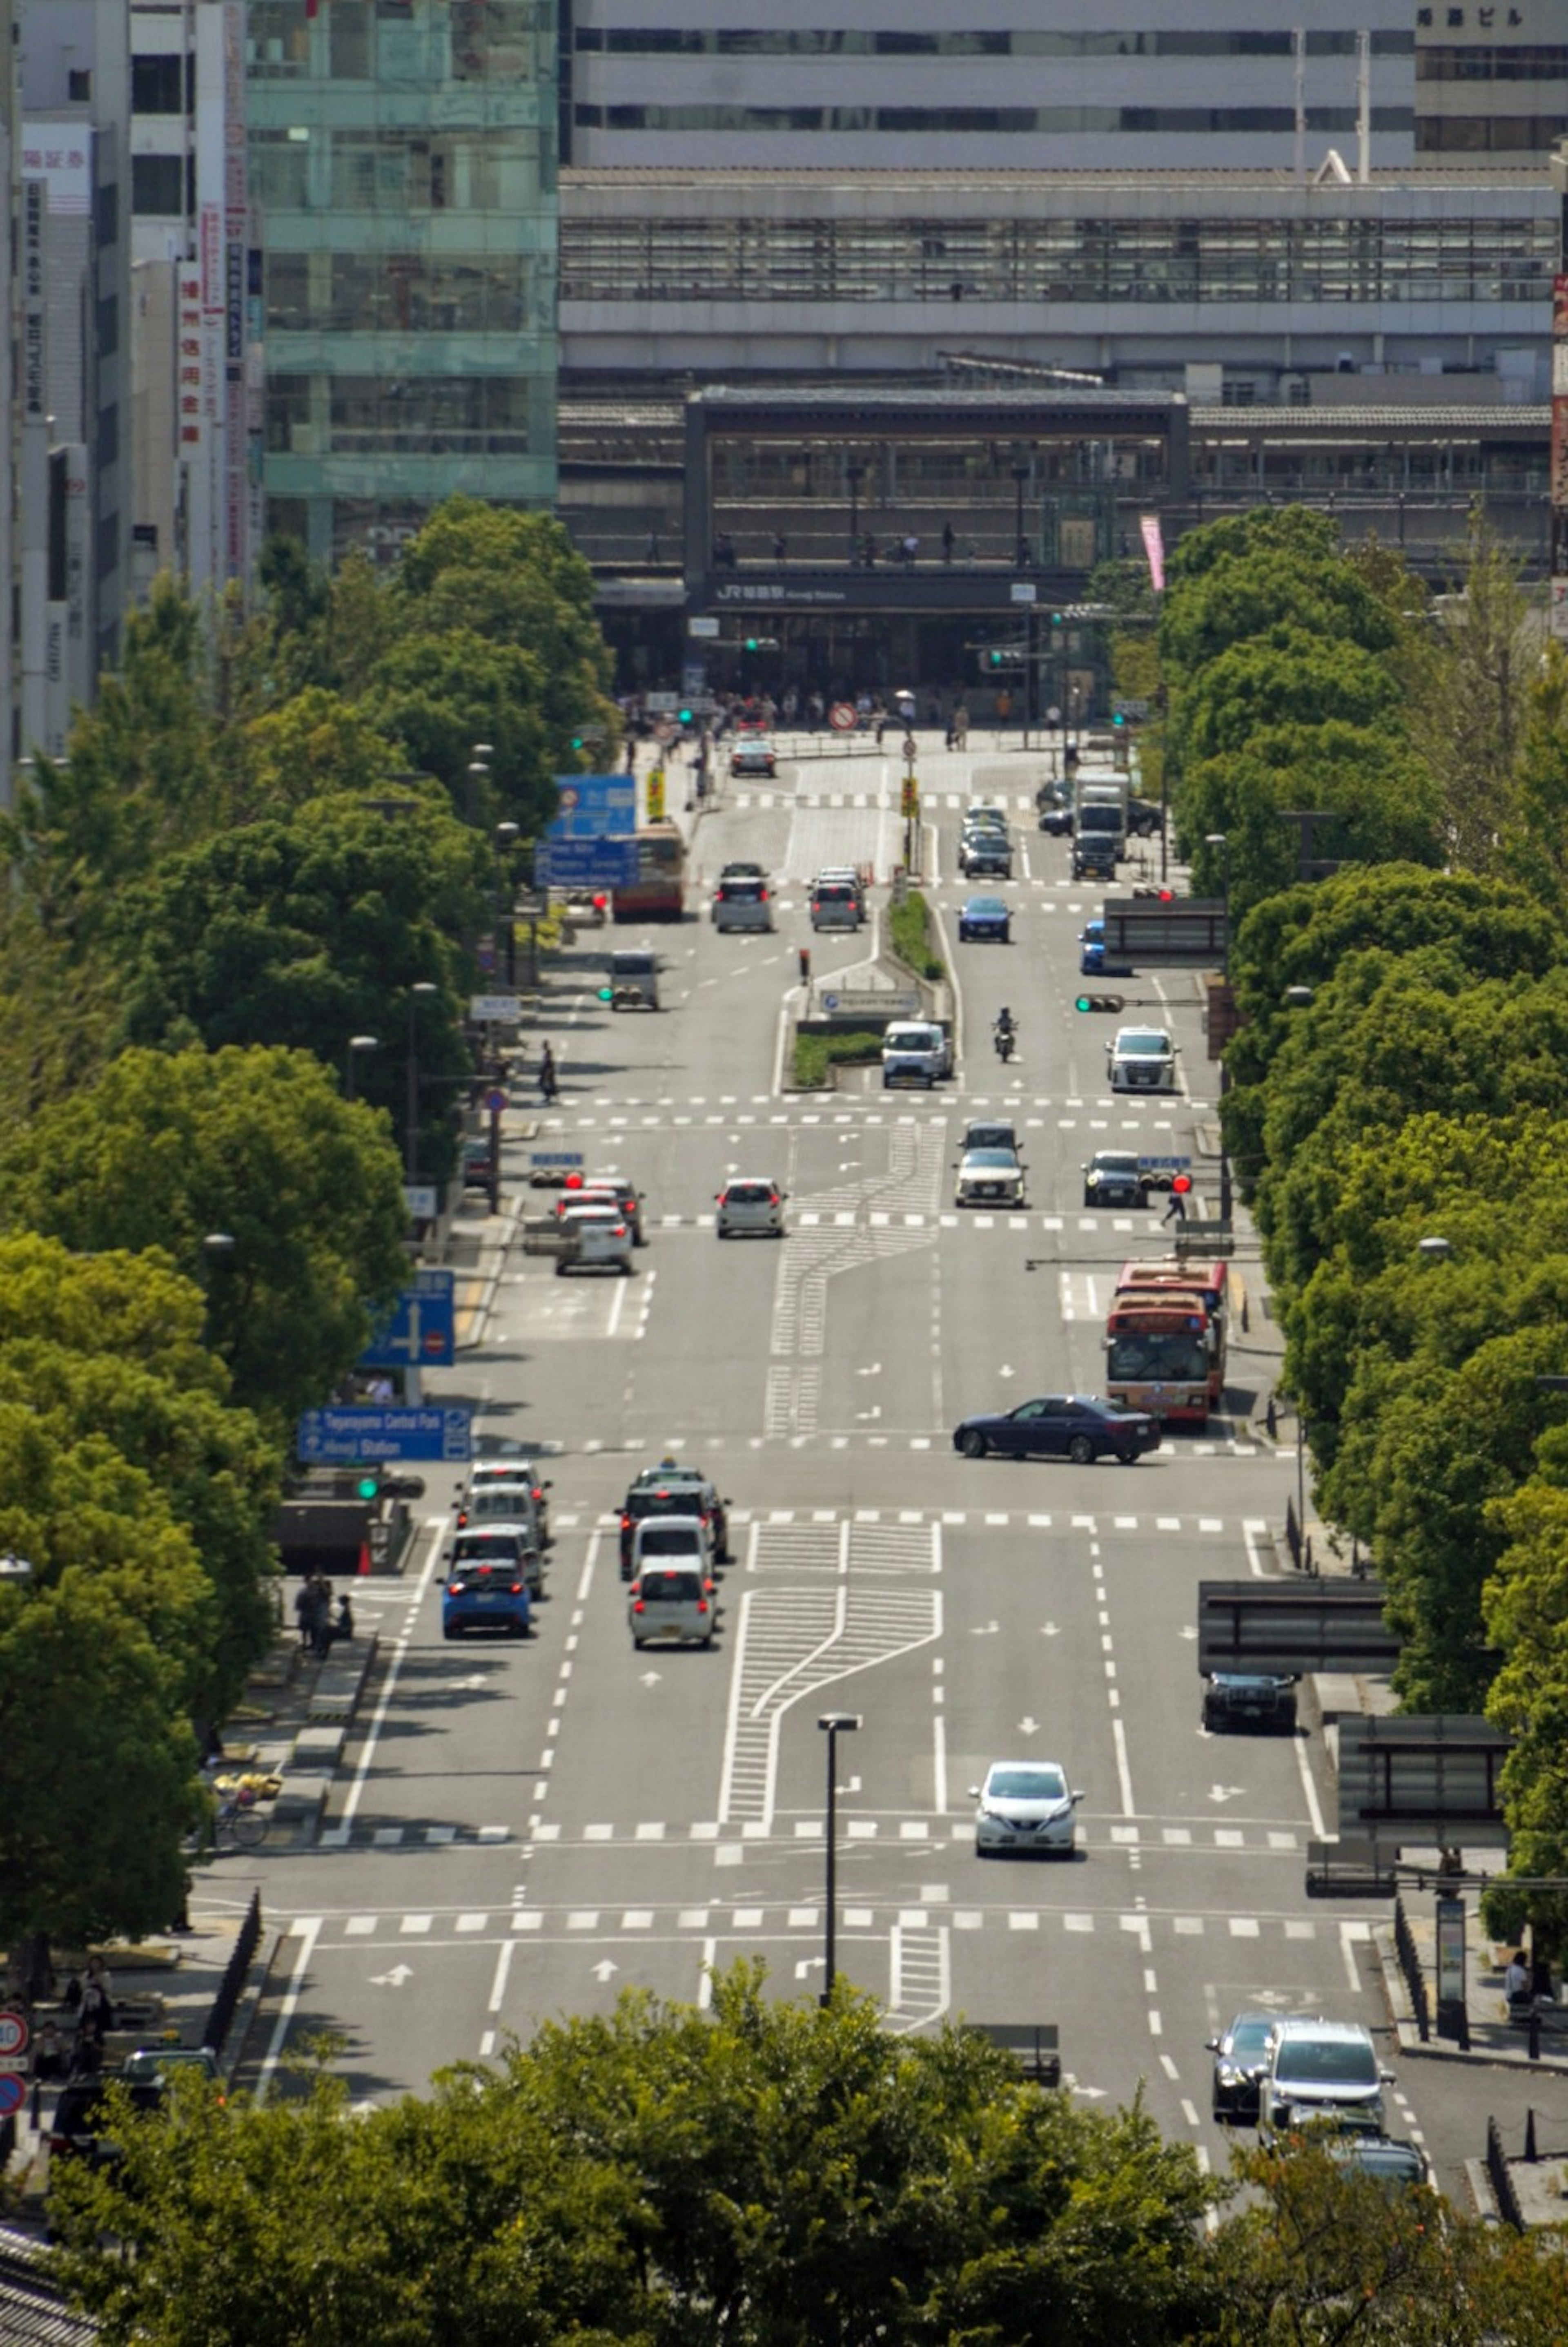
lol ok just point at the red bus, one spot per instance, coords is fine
(1165, 1356)
(658, 892)
(1211, 1280)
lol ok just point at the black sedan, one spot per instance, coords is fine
(1113, 1178)
(1240, 2059)
(1060, 1426)
(985, 916)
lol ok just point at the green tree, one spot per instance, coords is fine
(1525, 1613)
(1535, 849)
(1318, 2255)
(310, 929)
(768, 2175)
(445, 694)
(310, 747)
(97, 1762)
(166, 1148)
(1467, 699)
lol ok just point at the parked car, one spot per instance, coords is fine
(985, 916)
(1025, 1806)
(1249, 1699)
(750, 1203)
(1240, 2059)
(1060, 1426)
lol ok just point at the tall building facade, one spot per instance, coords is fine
(195, 297)
(10, 412)
(74, 503)
(1008, 84)
(403, 157)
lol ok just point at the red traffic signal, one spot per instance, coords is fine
(1181, 1184)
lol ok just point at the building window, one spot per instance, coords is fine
(107, 213)
(159, 85)
(158, 185)
(79, 86)
(108, 326)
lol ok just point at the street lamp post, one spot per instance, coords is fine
(833, 1725)
(1221, 839)
(506, 899)
(356, 1043)
(420, 991)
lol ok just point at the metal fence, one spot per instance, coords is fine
(1498, 2169)
(231, 1988)
(1410, 1965)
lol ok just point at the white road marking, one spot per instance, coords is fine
(503, 1966)
(1313, 1810)
(307, 1930)
(1124, 1774)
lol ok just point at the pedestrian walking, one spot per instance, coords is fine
(322, 1616)
(805, 958)
(304, 1611)
(549, 1085)
(95, 2013)
(344, 1627)
(1516, 1979)
(961, 726)
(908, 549)
(1176, 1210)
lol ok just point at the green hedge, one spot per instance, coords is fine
(815, 1054)
(910, 927)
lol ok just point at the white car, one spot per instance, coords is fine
(753, 1203)
(671, 1605)
(1141, 1058)
(1025, 1805)
(595, 1238)
(753, 754)
(987, 1176)
(507, 1467)
(1317, 2066)
(914, 1052)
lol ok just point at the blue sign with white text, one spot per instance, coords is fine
(601, 863)
(354, 1435)
(594, 806)
(420, 1329)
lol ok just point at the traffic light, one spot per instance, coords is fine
(368, 1486)
(1118, 717)
(1098, 1002)
(1181, 1184)
(684, 715)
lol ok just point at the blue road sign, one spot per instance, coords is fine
(420, 1332)
(357, 1434)
(594, 806)
(555, 1157)
(600, 863)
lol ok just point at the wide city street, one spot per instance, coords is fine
(525, 1830)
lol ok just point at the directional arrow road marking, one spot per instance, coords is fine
(1028, 1727)
(652, 1678)
(875, 1411)
(872, 1370)
(604, 1969)
(986, 1630)
(1005, 1371)
(394, 1979)
(1049, 1630)
(809, 1964)
(1090, 2093)
(1225, 1792)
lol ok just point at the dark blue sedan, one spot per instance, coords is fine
(985, 916)
(1060, 1426)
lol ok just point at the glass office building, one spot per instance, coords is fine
(403, 161)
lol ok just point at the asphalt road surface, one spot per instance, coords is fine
(523, 1830)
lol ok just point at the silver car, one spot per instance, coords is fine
(751, 1203)
(1025, 1805)
(742, 905)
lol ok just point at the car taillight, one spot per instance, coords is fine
(776, 1200)
(637, 1605)
(619, 1231)
(516, 1589)
(462, 1518)
(538, 1490)
(702, 1604)
(762, 895)
(626, 1523)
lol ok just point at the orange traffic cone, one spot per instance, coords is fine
(365, 1560)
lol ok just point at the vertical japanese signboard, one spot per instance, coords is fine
(1560, 458)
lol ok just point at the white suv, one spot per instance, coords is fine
(914, 1052)
(1320, 2066)
(671, 1604)
(1142, 1059)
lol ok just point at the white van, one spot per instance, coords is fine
(672, 1540)
(672, 1605)
(836, 905)
(914, 1051)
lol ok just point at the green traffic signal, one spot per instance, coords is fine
(605, 994)
(1085, 1002)
(368, 1486)
(684, 715)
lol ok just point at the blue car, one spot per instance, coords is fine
(1092, 949)
(985, 916)
(486, 1597)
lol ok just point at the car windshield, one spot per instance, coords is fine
(1115, 1161)
(992, 1136)
(672, 1588)
(1144, 1353)
(1249, 2037)
(911, 1039)
(1027, 1785)
(499, 1501)
(670, 1540)
(492, 1544)
(1002, 1160)
(985, 908)
(1143, 1047)
(1318, 2060)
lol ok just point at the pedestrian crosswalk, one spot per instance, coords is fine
(755, 1837)
(1036, 1110)
(780, 1919)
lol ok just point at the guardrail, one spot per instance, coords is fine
(1502, 2186)
(231, 1988)
(1410, 1966)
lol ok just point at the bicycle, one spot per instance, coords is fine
(236, 1824)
